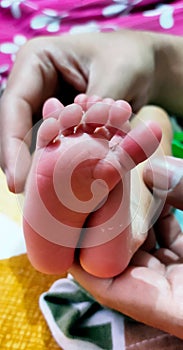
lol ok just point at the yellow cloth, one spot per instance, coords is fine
(10, 204)
(22, 326)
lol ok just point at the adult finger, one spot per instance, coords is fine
(116, 86)
(16, 120)
(35, 77)
(157, 175)
(169, 233)
(31, 81)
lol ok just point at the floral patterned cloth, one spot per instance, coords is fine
(21, 20)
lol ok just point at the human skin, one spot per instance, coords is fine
(103, 252)
(59, 194)
(173, 176)
(137, 64)
(140, 197)
(158, 278)
(157, 274)
(25, 103)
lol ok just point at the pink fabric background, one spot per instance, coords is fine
(21, 20)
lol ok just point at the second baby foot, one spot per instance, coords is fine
(114, 231)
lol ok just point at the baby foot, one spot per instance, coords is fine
(112, 232)
(79, 159)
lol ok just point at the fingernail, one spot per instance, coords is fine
(164, 174)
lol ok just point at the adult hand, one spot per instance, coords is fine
(62, 67)
(150, 290)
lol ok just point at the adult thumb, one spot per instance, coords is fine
(166, 178)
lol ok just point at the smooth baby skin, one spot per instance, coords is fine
(76, 155)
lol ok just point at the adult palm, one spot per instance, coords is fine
(150, 290)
